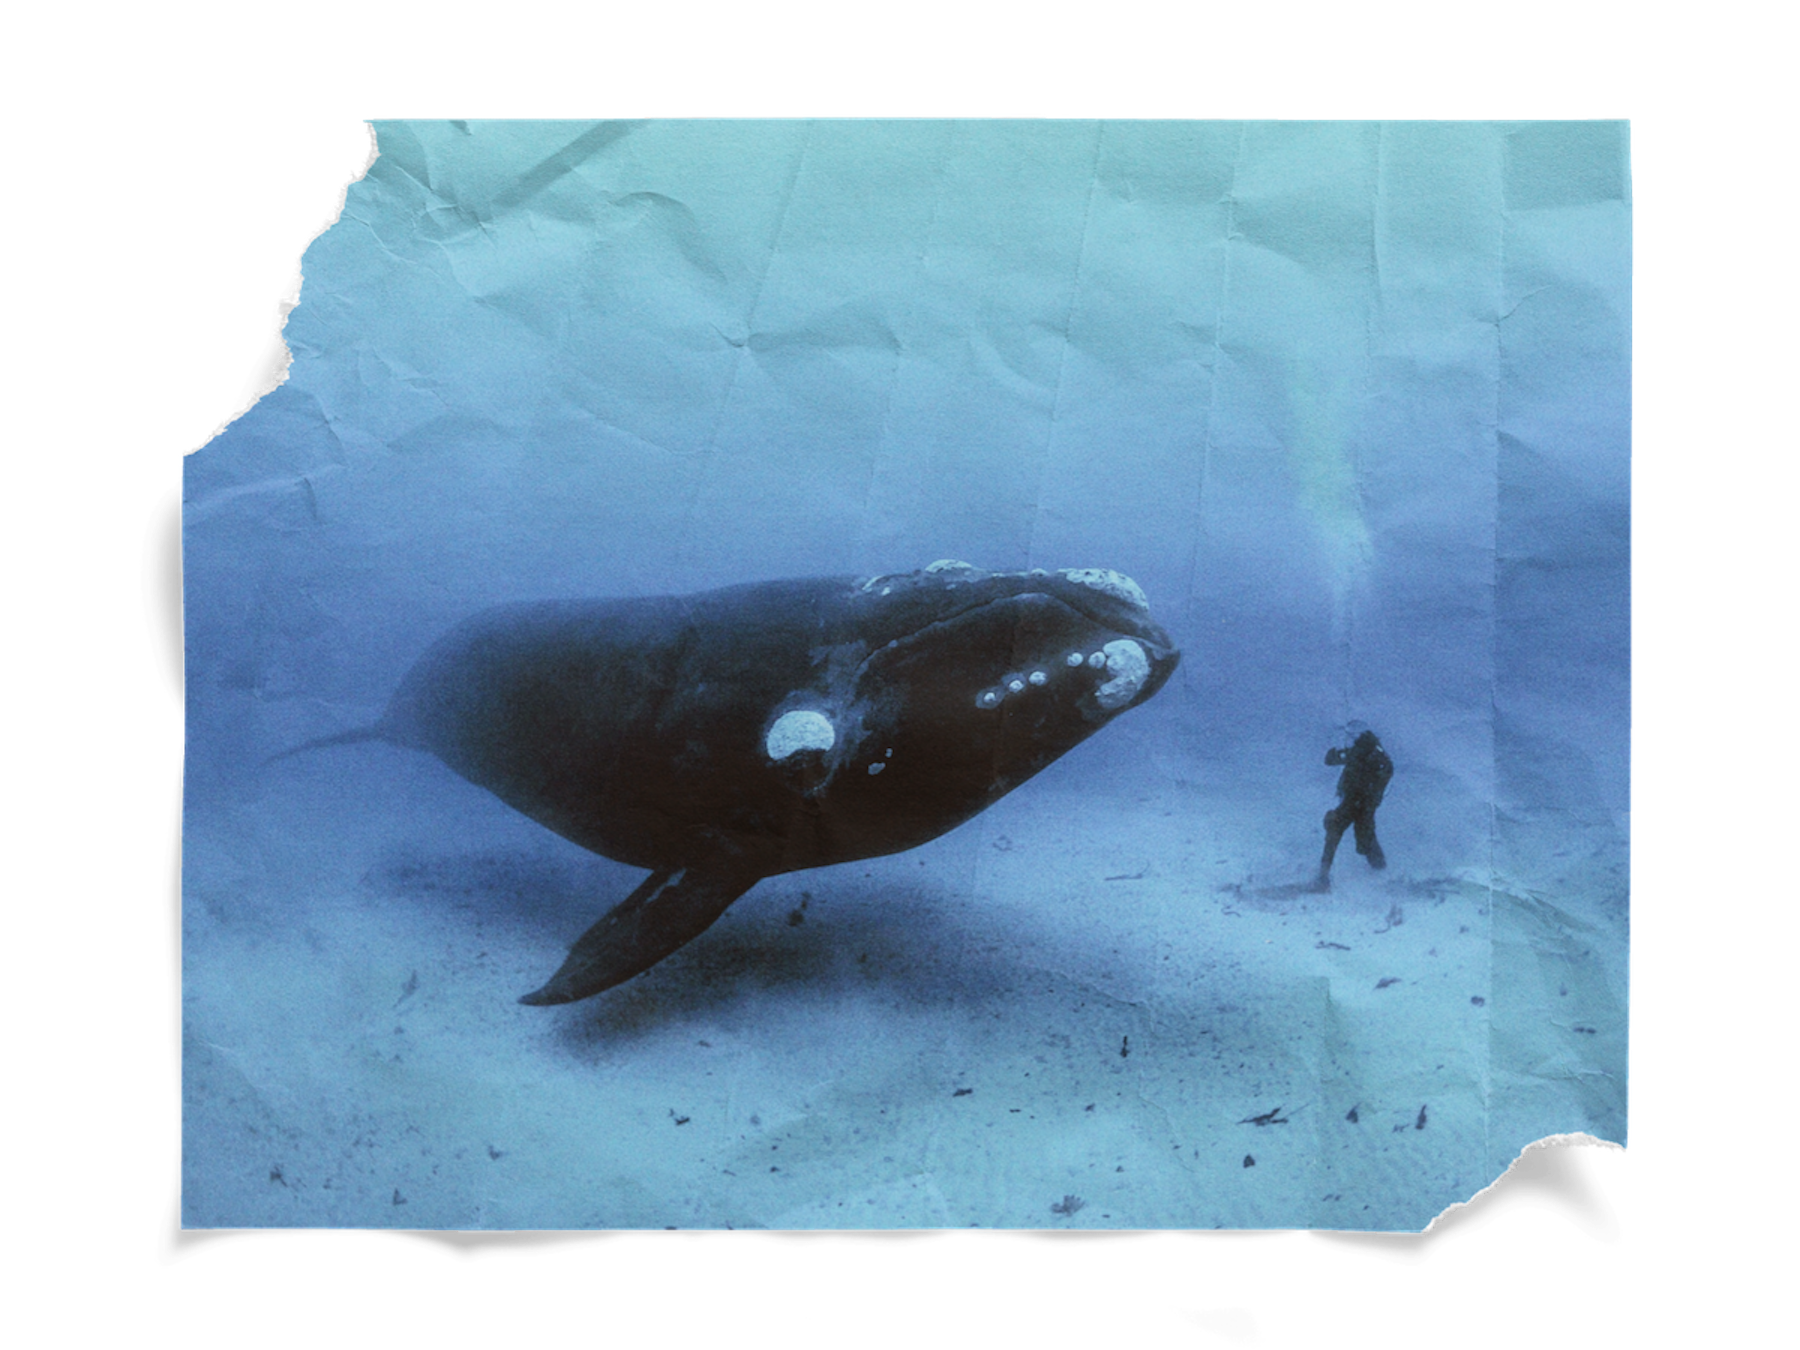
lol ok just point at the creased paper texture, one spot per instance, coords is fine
(1254, 438)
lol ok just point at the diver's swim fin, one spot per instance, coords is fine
(672, 907)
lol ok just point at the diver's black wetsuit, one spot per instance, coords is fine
(1367, 769)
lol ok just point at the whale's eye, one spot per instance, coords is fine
(802, 729)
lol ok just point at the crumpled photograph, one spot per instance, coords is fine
(917, 675)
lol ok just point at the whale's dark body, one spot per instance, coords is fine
(720, 738)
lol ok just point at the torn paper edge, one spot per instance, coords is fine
(1548, 1141)
(275, 377)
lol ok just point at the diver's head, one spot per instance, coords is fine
(1367, 741)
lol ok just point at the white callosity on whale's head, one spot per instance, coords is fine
(802, 729)
(1129, 666)
(1109, 582)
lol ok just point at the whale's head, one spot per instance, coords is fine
(962, 685)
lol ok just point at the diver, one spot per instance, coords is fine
(1367, 769)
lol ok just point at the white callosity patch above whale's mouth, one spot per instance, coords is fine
(1129, 666)
(1108, 582)
(954, 572)
(1105, 597)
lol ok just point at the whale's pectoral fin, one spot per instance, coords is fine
(672, 908)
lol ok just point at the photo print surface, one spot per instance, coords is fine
(918, 674)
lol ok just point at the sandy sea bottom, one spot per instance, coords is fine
(1112, 1010)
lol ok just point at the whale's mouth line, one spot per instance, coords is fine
(900, 644)
(1159, 650)
(1125, 623)
(1108, 599)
